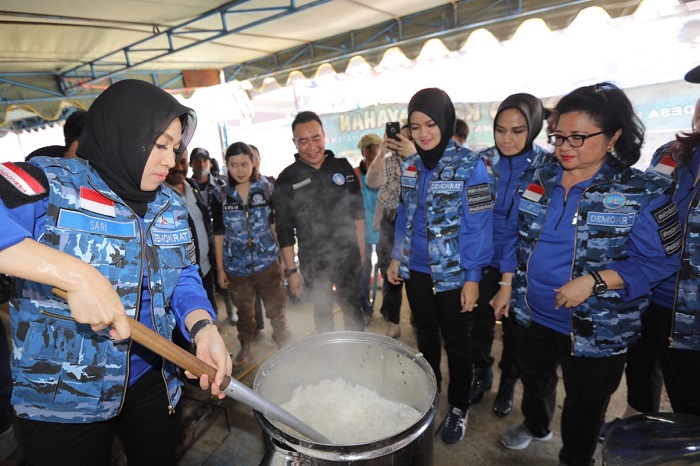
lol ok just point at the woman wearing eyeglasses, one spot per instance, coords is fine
(593, 237)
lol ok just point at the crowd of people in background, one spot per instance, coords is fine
(591, 266)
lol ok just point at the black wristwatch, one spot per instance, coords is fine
(599, 287)
(199, 325)
(289, 272)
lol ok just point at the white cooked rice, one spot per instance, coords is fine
(349, 414)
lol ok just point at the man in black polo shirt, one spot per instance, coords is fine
(317, 199)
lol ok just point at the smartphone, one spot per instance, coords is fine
(392, 129)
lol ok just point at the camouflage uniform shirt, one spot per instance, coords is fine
(249, 242)
(625, 222)
(681, 292)
(458, 217)
(64, 371)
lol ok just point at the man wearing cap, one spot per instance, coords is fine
(318, 204)
(200, 162)
(370, 145)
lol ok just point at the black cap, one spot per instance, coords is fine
(693, 76)
(198, 153)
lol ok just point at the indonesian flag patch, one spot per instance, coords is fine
(411, 172)
(21, 180)
(95, 202)
(534, 192)
(666, 166)
(489, 168)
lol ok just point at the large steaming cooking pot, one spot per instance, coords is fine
(394, 370)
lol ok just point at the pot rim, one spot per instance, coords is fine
(351, 452)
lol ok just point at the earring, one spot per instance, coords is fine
(612, 152)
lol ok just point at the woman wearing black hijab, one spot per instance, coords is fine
(518, 122)
(101, 228)
(442, 242)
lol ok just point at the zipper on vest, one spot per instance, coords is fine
(527, 287)
(572, 334)
(250, 240)
(671, 342)
(56, 316)
(171, 408)
(573, 259)
(427, 236)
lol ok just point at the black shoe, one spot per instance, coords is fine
(503, 404)
(606, 428)
(454, 426)
(483, 379)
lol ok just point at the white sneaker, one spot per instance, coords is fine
(519, 437)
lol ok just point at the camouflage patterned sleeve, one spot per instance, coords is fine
(650, 258)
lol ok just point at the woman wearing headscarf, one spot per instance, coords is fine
(443, 240)
(593, 236)
(517, 123)
(101, 228)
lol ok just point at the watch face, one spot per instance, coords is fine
(600, 288)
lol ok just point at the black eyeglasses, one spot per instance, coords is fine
(574, 140)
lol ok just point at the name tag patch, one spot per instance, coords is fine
(479, 198)
(663, 213)
(301, 184)
(447, 186)
(529, 207)
(673, 246)
(72, 220)
(609, 219)
(167, 237)
(408, 181)
(671, 237)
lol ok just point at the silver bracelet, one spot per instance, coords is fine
(505, 283)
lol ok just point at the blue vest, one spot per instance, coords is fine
(686, 310)
(507, 189)
(602, 325)
(539, 156)
(443, 214)
(64, 371)
(249, 243)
